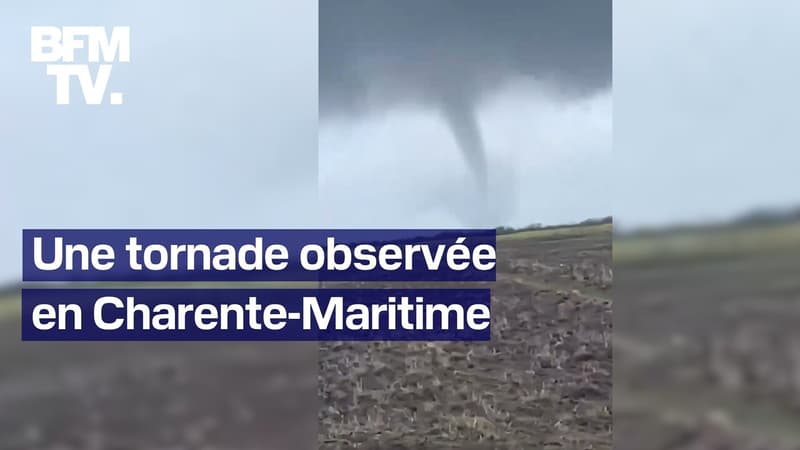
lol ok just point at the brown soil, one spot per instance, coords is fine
(707, 354)
(543, 381)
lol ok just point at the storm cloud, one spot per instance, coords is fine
(450, 55)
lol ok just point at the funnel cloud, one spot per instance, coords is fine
(460, 115)
(451, 55)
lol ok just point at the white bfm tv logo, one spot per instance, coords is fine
(58, 44)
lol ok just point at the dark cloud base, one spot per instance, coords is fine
(415, 50)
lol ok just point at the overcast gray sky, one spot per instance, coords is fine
(221, 129)
(705, 108)
(218, 128)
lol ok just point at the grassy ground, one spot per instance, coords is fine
(9, 307)
(664, 247)
(699, 245)
(558, 233)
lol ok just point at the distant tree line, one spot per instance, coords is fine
(539, 226)
(754, 218)
(768, 217)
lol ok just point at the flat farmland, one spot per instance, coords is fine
(543, 381)
(707, 349)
